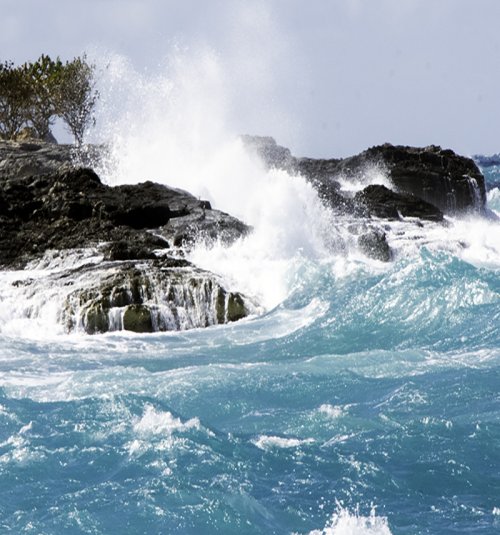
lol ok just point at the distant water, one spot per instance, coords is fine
(364, 400)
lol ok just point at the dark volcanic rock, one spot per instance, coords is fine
(129, 279)
(70, 208)
(382, 202)
(141, 248)
(440, 177)
(35, 157)
(374, 244)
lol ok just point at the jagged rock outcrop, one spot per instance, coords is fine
(380, 201)
(136, 276)
(400, 182)
(450, 182)
(70, 207)
(440, 177)
(31, 157)
(139, 232)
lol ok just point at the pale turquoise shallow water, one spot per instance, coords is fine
(374, 396)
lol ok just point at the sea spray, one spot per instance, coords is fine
(174, 128)
(344, 522)
(364, 383)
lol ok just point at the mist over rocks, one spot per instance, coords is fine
(440, 177)
(133, 275)
(116, 254)
(392, 183)
(32, 157)
(46, 202)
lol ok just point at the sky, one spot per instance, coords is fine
(327, 78)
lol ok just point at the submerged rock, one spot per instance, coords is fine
(374, 244)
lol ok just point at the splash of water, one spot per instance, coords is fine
(344, 522)
(174, 128)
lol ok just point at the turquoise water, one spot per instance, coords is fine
(366, 402)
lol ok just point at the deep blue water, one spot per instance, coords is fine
(367, 402)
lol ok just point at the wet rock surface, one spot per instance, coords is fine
(137, 278)
(451, 182)
(147, 296)
(65, 207)
(382, 202)
(392, 183)
(440, 177)
(140, 280)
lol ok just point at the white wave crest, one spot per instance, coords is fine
(344, 522)
(175, 128)
(154, 422)
(269, 442)
(332, 411)
(159, 430)
(493, 200)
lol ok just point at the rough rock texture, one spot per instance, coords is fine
(450, 182)
(31, 157)
(146, 296)
(69, 207)
(440, 177)
(136, 276)
(374, 244)
(141, 283)
(380, 201)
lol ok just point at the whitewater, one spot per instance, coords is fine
(362, 397)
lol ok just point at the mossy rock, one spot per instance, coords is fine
(220, 306)
(236, 309)
(96, 320)
(137, 318)
(119, 297)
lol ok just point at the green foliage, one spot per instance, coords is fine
(35, 93)
(15, 94)
(77, 96)
(43, 77)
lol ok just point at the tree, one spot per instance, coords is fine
(77, 96)
(44, 78)
(15, 98)
(35, 93)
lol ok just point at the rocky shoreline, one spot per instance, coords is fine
(425, 182)
(133, 274)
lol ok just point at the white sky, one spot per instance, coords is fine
(324, 77)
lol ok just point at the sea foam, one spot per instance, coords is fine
(344, 522)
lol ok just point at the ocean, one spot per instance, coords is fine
(363, 398)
